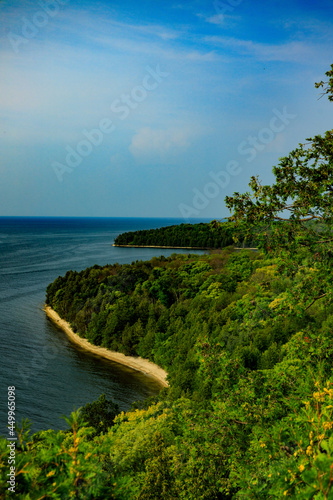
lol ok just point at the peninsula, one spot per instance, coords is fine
(136, 363)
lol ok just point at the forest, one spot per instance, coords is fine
(246, 339)
(212, 235)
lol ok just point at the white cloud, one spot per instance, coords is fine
(311, 26)
(162, 51)
(156, 30)
(217, 19)
(159, 146)
(290, 51)
(220, 19)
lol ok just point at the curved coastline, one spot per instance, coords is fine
(139, 364)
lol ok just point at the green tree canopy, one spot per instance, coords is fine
(296, 210)
(100, 414)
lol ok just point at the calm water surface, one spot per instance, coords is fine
(52, 375)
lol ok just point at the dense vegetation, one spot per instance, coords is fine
(246, 338)
(202, 235)
(160, 309)
(248, 413)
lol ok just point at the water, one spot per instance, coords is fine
(52, 375)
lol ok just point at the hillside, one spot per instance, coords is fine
(247, 374)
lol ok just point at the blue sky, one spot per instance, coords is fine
(154, 109)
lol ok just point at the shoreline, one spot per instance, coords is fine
(161, 246)
(139, 364)
(181, 248)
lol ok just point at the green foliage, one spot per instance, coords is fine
(303, 187)
(100, 414)
(60, 465)
(213, 235)
(327, 86)
(242, 363)
(159, 482)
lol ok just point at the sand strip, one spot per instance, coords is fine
(139, 364)
(161, 246)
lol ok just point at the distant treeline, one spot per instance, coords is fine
(212, 235)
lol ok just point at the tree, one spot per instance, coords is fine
(297, 208)
(100, 414)
(304, 188)
(296, 211)
(328, 86)
(158, 481)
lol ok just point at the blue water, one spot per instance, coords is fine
(52, 375)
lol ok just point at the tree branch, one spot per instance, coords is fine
(317, 298)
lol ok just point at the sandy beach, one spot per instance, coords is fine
(139, 364)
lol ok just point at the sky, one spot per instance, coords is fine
(154, 108)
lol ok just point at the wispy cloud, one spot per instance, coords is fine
(297, 27)
(175, 53)
(151, 39)
(217, 19)
(159, 146)
(225, 20)
(76, 29)
(155, 30)
(291, 51)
